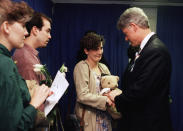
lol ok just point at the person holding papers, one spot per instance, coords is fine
(17, 108)
(90, 105)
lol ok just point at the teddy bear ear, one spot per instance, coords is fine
(117, 77)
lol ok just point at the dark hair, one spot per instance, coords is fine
(91, 41)
(90, 31)
(37, 20)
(15, 11)
(81, 54)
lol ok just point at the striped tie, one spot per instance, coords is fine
(137, 54)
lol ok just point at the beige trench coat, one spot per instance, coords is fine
(86, 94)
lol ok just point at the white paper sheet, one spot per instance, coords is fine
(58, 87)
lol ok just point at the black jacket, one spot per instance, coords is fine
(144, 103)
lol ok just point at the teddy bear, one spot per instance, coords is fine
(110, 83)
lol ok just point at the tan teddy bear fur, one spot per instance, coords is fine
(111, 81)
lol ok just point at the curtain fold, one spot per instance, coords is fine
(169, 29)
(71, 21)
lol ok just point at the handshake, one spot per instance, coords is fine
(109, 83)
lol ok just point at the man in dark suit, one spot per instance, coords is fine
(144, 103)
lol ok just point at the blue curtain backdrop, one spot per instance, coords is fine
(44, 6)
(71, 21)
(169, 28)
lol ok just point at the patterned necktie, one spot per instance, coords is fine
(137, 54)
(132, 65)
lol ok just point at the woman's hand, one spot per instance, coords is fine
(39, 95)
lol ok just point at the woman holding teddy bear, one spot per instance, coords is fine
(90, 105)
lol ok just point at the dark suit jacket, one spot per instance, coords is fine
(144, 103)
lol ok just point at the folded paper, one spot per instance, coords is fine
(59, 86)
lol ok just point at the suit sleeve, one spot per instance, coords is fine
(151, 70)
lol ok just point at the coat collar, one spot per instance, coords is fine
(100, 65)
(4, 50)
(149, 41)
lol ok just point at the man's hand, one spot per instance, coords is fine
(112, 94)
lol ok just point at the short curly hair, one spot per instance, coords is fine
(15, 11)
(91, 41)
